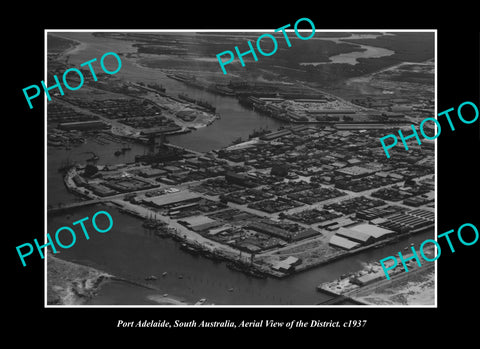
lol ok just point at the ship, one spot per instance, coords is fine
(93, 158)
(220, 89)
(202, 103)
(161, 233)
(177, 238)
(214, 256)
(206, 105)
(224, 90)
(178, 77)
(186, 98)
(151, 278)
(189, 249)
(152, 223)
(128, 211)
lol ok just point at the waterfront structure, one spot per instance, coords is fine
(343, 243)
(83, 125)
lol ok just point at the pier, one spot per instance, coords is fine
(67, 207)
(337, 299)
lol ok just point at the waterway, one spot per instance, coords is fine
(132, 252)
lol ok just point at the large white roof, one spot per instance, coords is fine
(171, 198)
(353, 234)
(347, 244)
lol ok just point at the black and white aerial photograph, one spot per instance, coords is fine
(255, 184)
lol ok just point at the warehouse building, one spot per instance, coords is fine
(182, 197)
(151, 172)
(375, 232)
(273, 135)
(359, 235)
(410, 220)
(287, 265)
(368, 278)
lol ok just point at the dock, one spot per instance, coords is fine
(337, 299)
(67, 207)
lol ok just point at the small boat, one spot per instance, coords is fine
(189, 249)
(230, 289)
(180, 276)
(164, 274)
(151, 278)
(94, 157)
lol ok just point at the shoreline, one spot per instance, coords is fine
(69, 283)
(225, 252)
(73, 284)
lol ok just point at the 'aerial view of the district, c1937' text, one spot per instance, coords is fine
(265, 186)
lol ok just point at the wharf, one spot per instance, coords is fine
(337, 299)
(343, 254)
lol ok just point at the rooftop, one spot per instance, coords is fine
(171, 198)
(371, 230)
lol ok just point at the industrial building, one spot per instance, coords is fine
(200, 223)
(410, 221)
(375, 232)
(346, 244)
(368, 278)
(83, 125)
(162, 201)
(287, 265)
(239, 179)
(151, 172)
(354, 235)
(273, 135)
(127, 184)
(359, 235)
(100, 190)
